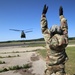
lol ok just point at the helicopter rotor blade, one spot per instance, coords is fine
(15, 30)
(28, 31)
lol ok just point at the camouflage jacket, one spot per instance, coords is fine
(53, 56)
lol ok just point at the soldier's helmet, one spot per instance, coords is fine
(55, 29)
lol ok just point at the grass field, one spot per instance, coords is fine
(70, 64)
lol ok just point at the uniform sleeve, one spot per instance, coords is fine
(44, 27)
(64, 25)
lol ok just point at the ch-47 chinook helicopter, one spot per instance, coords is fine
(23, 35)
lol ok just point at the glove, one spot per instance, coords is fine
(45, 9)
(60, 11)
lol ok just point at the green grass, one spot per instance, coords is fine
(36, 44)
(42, 53)
(17, 67)
(71, 41)
(9, 56)
(70, 64)
(2, 62)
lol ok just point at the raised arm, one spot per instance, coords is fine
(44, 24)
(64, 25)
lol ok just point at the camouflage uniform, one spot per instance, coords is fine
(55, 58)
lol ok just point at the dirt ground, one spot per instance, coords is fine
(26, 55)
(23, 55)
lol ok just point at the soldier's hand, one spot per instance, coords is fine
(45, 8)
(60, 11)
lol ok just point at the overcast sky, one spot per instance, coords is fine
(26, 14)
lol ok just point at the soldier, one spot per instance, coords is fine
(56, 39)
